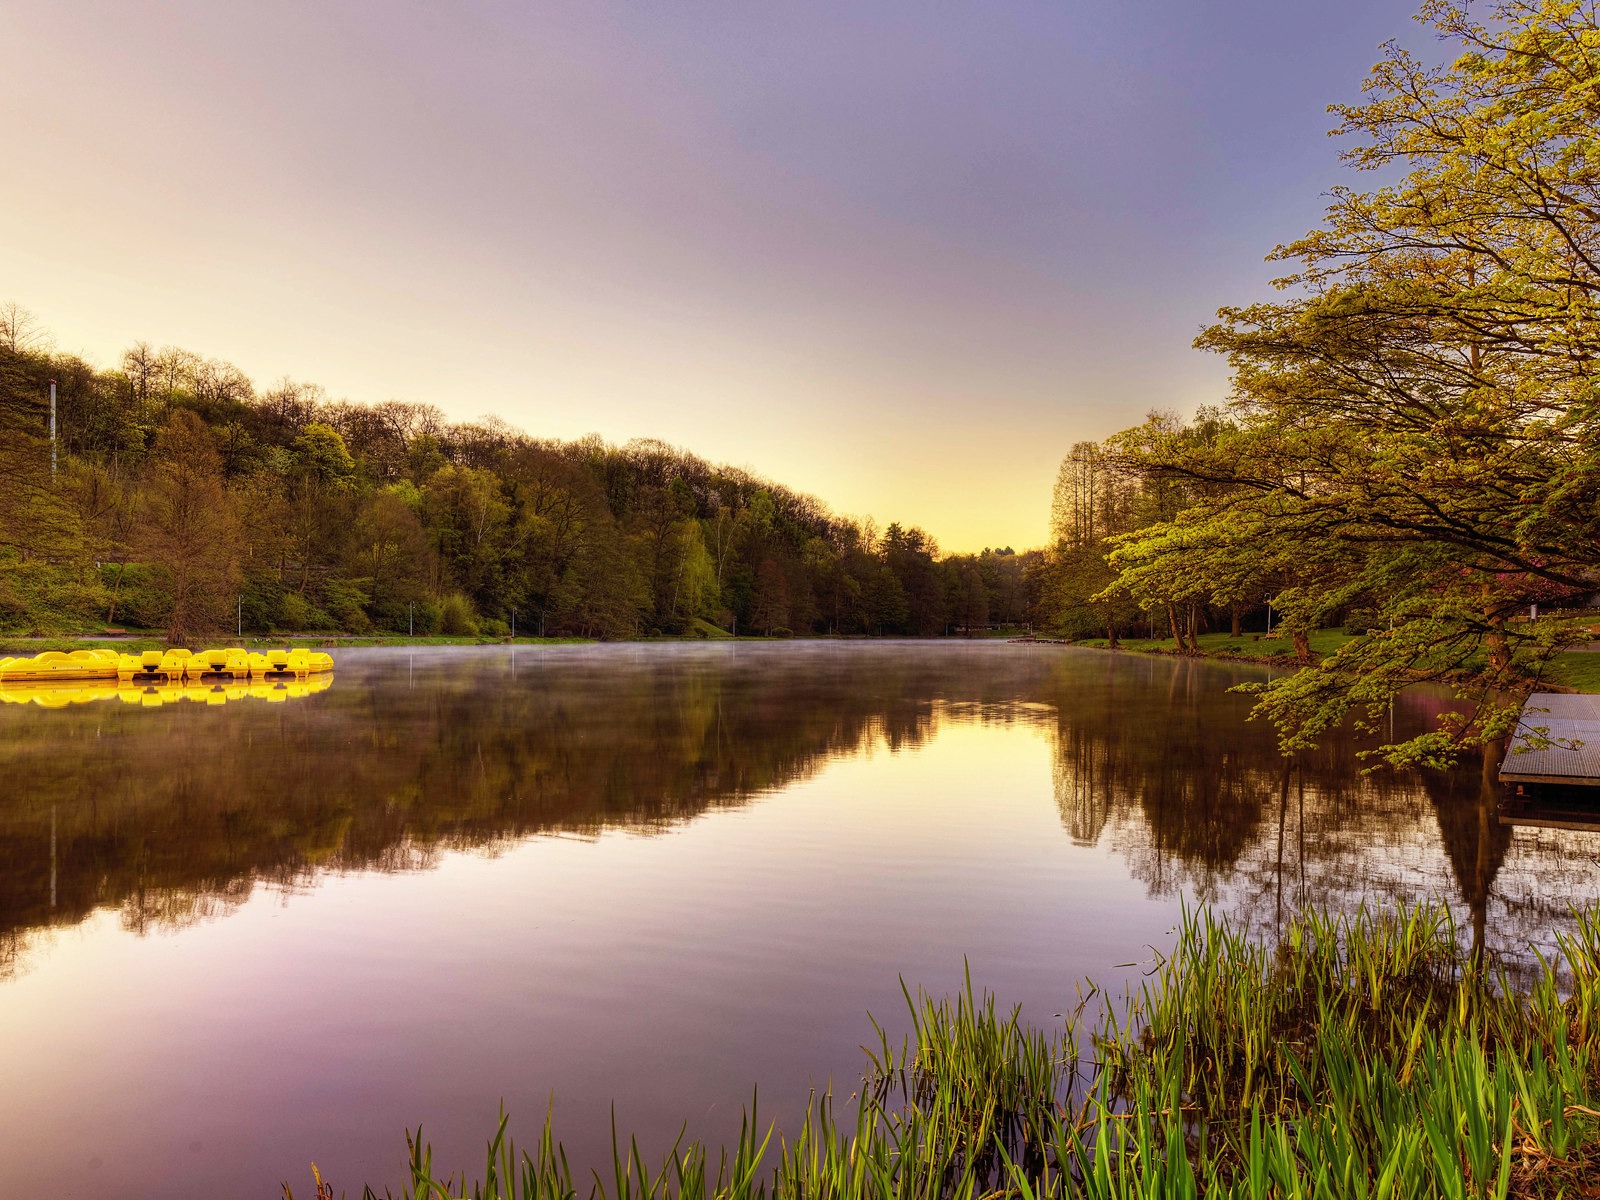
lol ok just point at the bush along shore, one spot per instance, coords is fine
(1364, 1055)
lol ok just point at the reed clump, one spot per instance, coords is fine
(1363, 1056)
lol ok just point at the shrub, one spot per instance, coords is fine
(428, 617)
(347, 601)
(295, 611)
(457, 617)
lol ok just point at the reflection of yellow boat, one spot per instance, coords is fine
(57, 695)
(56, 666)
(155, 693)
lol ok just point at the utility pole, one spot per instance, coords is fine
(52, 429)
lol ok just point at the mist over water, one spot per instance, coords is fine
(235, 939)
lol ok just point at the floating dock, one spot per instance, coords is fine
(1557, 741)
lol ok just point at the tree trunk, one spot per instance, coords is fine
(1177, 632)
(1302, 647)
(1233, 612)
(116, 590)
(1499, 646)
(1111, 635)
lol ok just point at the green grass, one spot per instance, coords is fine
(1577, 669)
(1248, 646)
(1363, 1056)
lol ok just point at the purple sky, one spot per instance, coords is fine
(899, 255)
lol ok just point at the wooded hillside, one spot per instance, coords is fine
(183, 490)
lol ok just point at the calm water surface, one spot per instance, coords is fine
(235, 938)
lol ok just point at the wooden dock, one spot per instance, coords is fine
(1570, 724)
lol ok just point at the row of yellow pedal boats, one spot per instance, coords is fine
(232, 664)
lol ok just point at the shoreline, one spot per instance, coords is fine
(1579, 670)
(145, 640)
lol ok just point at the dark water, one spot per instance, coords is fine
(236, 938)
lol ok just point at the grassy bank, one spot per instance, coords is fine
(1363, 1056)
(1578, 670)
(1248, 647)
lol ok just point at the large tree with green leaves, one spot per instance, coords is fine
(1415, 430)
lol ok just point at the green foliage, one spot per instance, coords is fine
(456, 616)
(49, 602)
(320, 451)
(1577, 669)
(298, 614)
(347, 603)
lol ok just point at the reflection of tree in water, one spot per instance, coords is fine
(1213, 809)
(172, 823)
(1156, 763)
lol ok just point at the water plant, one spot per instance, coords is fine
(1363, 1055)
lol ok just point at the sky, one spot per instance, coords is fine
(899, 255)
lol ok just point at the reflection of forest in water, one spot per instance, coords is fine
(411, 755)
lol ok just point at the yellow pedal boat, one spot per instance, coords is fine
(56, 666)
(289, 664)
(233, 662)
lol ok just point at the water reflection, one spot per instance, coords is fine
(413, 754)
(166, 691)
(1197, 804)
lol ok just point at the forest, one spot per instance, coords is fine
(184, 497)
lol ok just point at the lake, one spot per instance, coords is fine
(241, 936)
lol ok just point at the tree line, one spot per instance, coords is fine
(1412, 445)
(184, 497)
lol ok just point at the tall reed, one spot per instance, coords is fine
(1363, 1055)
